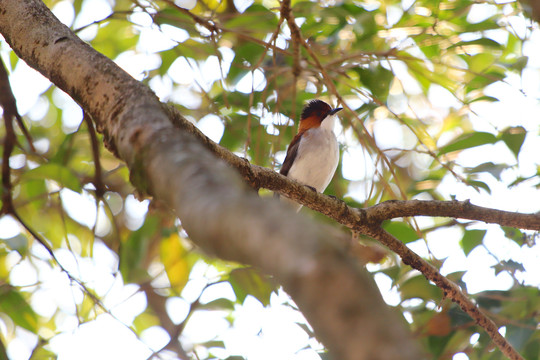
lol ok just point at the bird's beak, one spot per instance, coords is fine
(332, 112)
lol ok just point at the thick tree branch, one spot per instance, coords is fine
(338, 298)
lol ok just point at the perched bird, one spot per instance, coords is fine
(313, 154)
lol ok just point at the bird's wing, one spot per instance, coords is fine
(292, 151)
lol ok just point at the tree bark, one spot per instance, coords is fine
(220, 213)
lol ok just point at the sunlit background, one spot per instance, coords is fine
(260, 332)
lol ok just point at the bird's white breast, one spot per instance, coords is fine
(317, 157)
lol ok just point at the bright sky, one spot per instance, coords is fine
(258, 332)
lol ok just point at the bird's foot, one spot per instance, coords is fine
(311, 188)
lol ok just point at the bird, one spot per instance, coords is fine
(313, 154)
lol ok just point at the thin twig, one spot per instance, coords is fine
(296, 40)
(98, 178)
(7, 102)
(158, 304)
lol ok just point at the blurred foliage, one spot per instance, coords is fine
(387, 62)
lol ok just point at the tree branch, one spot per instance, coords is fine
(454, 209)
(451, 290)
(7, 102)
(158, 304)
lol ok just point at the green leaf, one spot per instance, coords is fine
(133, 251)
(177, 19)
(458, 317)
(469, 140)
(486, 43)
(402, 231)
(18, 242)
(195, 49)
(426, 77)
(457, 277)
(213, 344)
(256, 18)
(167, 58)
(531, 350)
(377, 79)
(514, 137)
(393, 272)
(13, 60)
(508, 265)
(218, 304)
(248, 52)
(52, 171)
(489, 167)
(13, 304)
(491, 300)
(488, 24)
(419, 287)
(514, 234)
(519, 63)
(484, 72)
(34, 192)
(40, 353)
(471, 239)
(519, 334)
(115, 37)
(77, 5)
(65, 149)
(431, 50)
(483, 98)
(250, 282)
(479, 185)
(480, 62)
(144, 321)
(437, 344)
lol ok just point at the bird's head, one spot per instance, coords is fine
(315, 113)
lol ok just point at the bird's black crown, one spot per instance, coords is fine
(316, 107)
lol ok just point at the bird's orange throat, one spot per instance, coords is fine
(309, 123)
